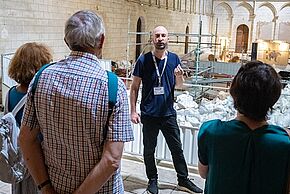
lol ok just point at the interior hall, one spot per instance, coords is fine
(213, 39)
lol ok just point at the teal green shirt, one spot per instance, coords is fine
(14, 97)
(244, 161)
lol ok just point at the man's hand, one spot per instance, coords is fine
(178, 71)
(104, 169)
(135, 118)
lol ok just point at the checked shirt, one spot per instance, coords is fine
(71, 108)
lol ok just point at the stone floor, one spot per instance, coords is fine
(135, 180)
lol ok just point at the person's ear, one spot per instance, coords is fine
(98, 49)
(66, 43)
(102, 39)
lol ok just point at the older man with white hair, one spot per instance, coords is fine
(70, 109)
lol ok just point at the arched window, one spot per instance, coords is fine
(242, 39)
(138, 38)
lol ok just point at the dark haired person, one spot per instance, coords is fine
(247, 155)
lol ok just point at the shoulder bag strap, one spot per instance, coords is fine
(19, 105)
(36, 78)
(7, 102)
(112, 90)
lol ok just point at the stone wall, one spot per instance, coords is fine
(24, 21)
(266, 20)
(43, 21)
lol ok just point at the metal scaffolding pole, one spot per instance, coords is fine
(215, 40)
(128, 49)
(197, 52)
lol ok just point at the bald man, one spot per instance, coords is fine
(160, 72)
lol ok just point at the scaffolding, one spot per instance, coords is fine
(199, 84)
(198, 50)
(129, 43)
(197, 68)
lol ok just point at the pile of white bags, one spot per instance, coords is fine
(191, 114)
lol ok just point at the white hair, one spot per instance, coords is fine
(84, 30)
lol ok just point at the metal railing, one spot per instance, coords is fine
(188, 138)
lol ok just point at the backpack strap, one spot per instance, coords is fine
(19, 105)
(36, 78)
(112, 90)
(7, 102)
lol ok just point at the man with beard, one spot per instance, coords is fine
(159, 71)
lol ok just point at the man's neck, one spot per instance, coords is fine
(160, 54)
(95, 51)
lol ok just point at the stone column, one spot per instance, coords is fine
(251, 19)
(274, 29)
(230, 34)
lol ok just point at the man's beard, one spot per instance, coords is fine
(160, 45)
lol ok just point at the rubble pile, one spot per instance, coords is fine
(192, 114)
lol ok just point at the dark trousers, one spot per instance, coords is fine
(171, 133)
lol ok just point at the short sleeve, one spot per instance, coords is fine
(203, 144)
(120, 128)
(139, 67)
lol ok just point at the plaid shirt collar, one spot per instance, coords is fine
(87, 55)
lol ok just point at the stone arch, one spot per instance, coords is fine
(283, 23)
(225, 29)
(226, 6)
(140, 27)
(271, 7)
(248, 7)
(285, 5)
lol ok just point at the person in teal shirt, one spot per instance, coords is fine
(27, 60)
(246, 155)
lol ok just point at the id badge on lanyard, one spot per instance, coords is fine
(160, 89)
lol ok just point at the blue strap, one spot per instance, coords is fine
(34, 86)
(37, 75)
(112, 89)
